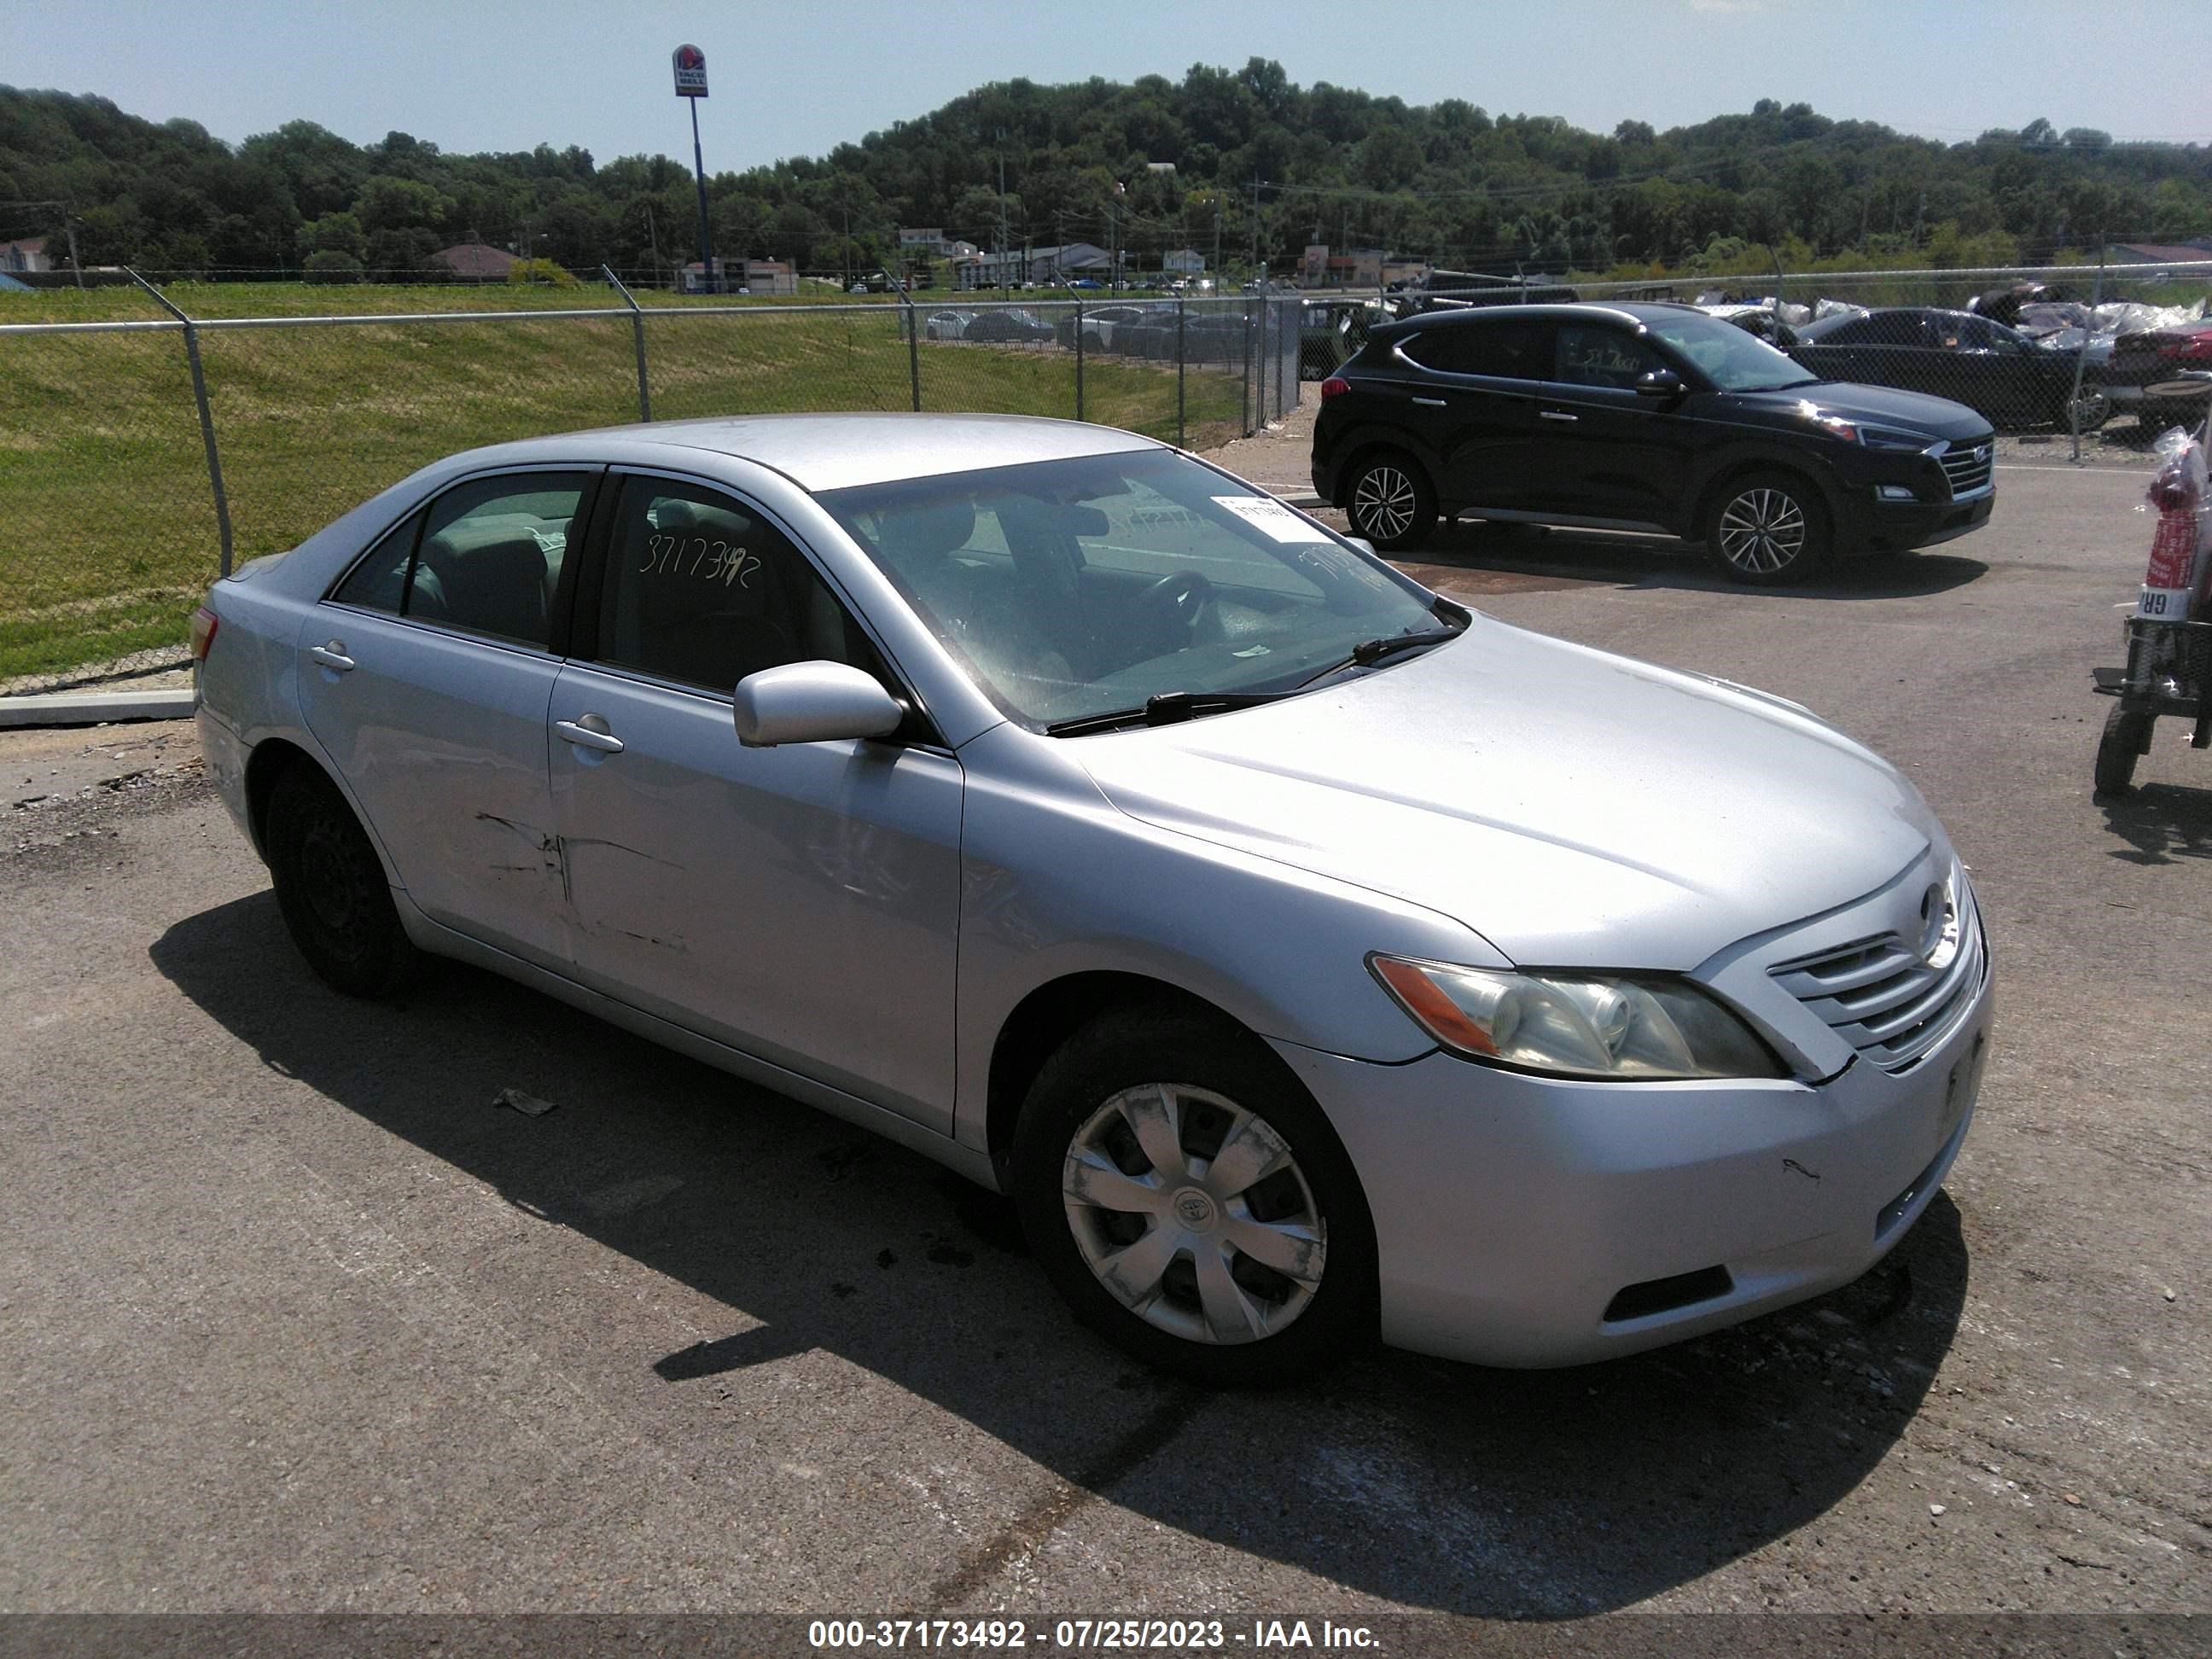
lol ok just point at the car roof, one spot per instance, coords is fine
(1634, 312)
(837, 452)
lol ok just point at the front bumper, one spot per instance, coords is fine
(1901, 524)
(1513, 1212)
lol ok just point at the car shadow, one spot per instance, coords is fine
(1625, 560)
(2160, 822)
(1521, 1494)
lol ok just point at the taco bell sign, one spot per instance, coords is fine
(690, 72)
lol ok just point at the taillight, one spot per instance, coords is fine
(204, 627)
(1335, 386)
(2197, 347)
(2190, 346)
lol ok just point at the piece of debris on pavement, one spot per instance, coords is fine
(528, 1105)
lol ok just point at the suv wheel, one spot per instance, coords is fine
(1192, 1204)
(1769, 529)
(1389, 502)
(332, 888)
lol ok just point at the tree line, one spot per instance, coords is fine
(1239, 164)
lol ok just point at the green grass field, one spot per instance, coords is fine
(109, 521)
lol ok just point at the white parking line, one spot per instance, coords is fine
(2024, 466)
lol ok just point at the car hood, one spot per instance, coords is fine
(1876, 405)
(1572, 807)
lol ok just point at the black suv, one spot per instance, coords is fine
(1641, 417)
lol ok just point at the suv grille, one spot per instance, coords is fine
(1881, 997)
(1968, 470)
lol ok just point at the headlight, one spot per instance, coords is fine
(1595, 1025)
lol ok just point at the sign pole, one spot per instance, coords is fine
(690, 64)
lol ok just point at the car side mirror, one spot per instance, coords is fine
(811, 703)
(1659, 383)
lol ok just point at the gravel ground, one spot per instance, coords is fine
(292, 1318)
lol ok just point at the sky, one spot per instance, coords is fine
(788, 78)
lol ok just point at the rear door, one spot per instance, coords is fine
(1476, 406)
(801, 903)
(426, 674)
(1607, 450)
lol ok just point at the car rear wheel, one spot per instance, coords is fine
(2127, 735)
(1192, 1204)
(1389, 502)
(1769, 529)
(332, 888)
(2087, 412)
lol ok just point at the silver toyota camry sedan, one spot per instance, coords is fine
(1310, 958)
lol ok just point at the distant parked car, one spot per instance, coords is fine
(1640, 417)
(1086, 282)
(947, 324)
(2162, 376)
(1015, 325)
(1329, 331)
(1995, 370)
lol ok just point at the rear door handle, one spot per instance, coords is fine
(1433, 402)
(332, 657)
(584, 737)
(1557, 415)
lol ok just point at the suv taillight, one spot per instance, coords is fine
(204, 627)
(1335, 386)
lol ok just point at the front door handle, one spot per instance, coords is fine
(332, 657)
(589, 731)
(1557, 415)
(1433, 402)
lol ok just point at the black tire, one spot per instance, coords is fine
(332, 888)
(2091, 410)
(2127, 734)
(1768, 529)
(1201, 1061)
(1389, 501)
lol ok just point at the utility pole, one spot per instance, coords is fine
(1005, 248)
(1255, 226)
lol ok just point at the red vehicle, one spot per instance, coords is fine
(2169, 668)
(2162, 375)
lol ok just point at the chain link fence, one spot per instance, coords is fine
(127, 484)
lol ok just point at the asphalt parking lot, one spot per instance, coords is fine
(292, 1317)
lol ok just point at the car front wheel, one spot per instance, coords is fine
(1192, 1203)
(1769, 529)
(1389, 502)
(332, 888)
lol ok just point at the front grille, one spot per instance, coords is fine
(1968, 470)
(1881, 997)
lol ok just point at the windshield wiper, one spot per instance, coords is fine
(1368, 653)
(1166, 708)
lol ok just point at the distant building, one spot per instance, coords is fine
(755, 276)
(1184, 261)
(25, 253)
(1353, 267)
(2160, 253)
(1160, 167)
(1047, 267)
(476, 262)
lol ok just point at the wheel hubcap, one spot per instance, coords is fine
(1762, 531)
(1193, 1213)
(1383, 503)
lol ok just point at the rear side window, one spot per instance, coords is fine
(701, 589)
(378, 582)
(1511, 349)
(491, 552)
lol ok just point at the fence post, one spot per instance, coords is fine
(2081, 356)
(637, 334)
(207, 419)
(1079, 360)
(913, 338)
(1181, 355)
(1244, 395)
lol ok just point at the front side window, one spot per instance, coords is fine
(1078, 587)
(703, 590)
(1602, 357)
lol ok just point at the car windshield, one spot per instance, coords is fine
(1079, 588)
(1731, 359)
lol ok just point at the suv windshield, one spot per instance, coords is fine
(1731, 359)
(1077, 588)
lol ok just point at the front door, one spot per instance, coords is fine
(426, 676)
(801, 903)
(1608, 452)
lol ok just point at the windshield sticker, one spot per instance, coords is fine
(1264, 512)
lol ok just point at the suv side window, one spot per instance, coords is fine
(701, 589)
(1507, 347)
(1602, 356)
(489, 557)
